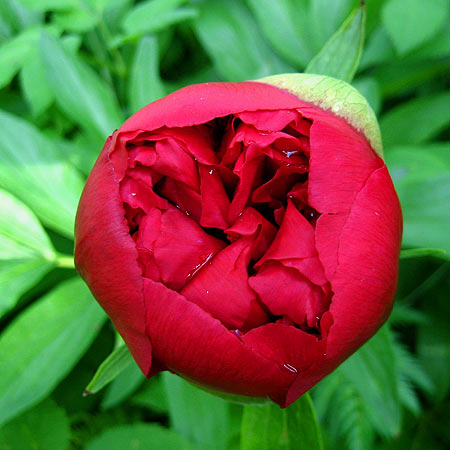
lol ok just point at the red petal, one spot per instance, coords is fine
(295, 239)
(296, 352)
(106, 257)
(215, 201)
(286, 292)
(182, 247)
(366, 275)
(201, 103)
(340, 164)
(221, 287)
(192, 343)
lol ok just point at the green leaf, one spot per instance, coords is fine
(155, 15)
(324, 18)
(40, 347)
(34, 170)
(152, 396)
(145, 83)
(412, 22)
(78, 20)
(53, 5)
(94, 107)
(421, 175)
(232, 40)
(373, 372)
(433, 343)
(369, 88)
(18, 16)
(200, 417)
(14, 54)
(344, 413)
(109, 369)
(269, 427)
(340, 56)
(284, 25)
(140, 436)
(34, 83)
(46, 426)
(26, 252)
(416, 121)
(123, 386)
(421, 252)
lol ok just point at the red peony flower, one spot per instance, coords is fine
(244, 235)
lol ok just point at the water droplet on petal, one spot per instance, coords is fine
(133, 194)
(238, 334)
(290, 368)
(211, 171)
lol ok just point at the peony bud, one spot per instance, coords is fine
(244, 235)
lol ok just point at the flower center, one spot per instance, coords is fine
(219, 212)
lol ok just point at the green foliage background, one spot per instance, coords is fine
(71, 71)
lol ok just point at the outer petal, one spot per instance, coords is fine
(106, 258)
(201, 103)
(364, 291)
(193, 344)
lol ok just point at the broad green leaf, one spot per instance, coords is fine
(234, 43)
(269, 427)
(34, 170)
(152, 396)
(413, 22)
(45, 427)
(26, 252)
(421, 175)
(79, 91)
(378, 49)
(18, 16)
(340, 56)
(416, 121)
(145, 83)
(140, 436)
(40, 347)
(421, 252)
(110, 368)
(155, 15)
(123, 386)
(34, 83)
(433, 341)
(200, 417)
(14, 54)
(324, 18)
(17, 276)
(399, 78)
(284, 24)
(78, 20)
(53, 5)
(370, 89)
(373, 372)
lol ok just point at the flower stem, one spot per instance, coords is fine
(65, 261)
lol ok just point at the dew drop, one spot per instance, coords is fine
(290, 368)
(211, 171)
(238, 334)
(377, 213)
(133, 194)
(207, 292)
(289, 153)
